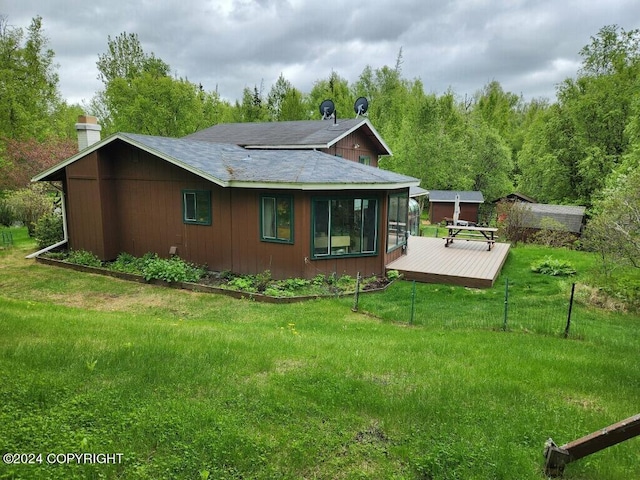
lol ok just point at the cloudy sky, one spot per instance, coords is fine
(529, 46)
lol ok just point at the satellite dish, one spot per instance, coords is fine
(327, 108)
(361, 106)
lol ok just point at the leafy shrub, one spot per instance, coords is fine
(127, 263)
(242, 283)
(552, 266)
(7, 216)
(393, 274)
(29, 204)
(82, 257)
(173, 269)
(48, 230)
(262, 280)
(318, 280)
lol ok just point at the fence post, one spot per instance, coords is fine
(356, 296)
(506, 304)
(413, 302)
(566, 330)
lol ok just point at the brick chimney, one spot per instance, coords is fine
(88, 131)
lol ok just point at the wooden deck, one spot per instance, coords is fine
(464, 262)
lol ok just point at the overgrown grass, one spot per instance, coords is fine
(189, 385)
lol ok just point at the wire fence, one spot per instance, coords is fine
(512, 307)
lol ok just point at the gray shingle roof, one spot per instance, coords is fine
(292, 134)
(568, 215)
(450, 196)
(231, 165)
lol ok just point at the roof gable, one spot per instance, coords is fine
(233, 166)
(303, 134)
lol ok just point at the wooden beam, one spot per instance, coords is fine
(558, 457)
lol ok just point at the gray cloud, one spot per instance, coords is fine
(528, 46)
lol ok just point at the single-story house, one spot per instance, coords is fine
(442, 204)
(296, 211)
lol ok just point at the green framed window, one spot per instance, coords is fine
(344, 226)
(364, 159)
(196, 207)
(276, 218)
(397, 218)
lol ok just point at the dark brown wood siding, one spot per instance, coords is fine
(122, 199)
(346, 148)
(438, 211)
(84, 211)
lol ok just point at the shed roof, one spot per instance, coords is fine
(569, 216)
(303, 134)
(417, 192)
(233, 166)
(449, 196)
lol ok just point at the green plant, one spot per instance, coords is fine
(48, 230)
(244, 283)
(82, 257)
(318, 280)
(553, 267)
(262, 280)
(393, 274)
(171, 270)
(29, 204)
(7, 216)
(127, 263)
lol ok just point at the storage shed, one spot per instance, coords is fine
(442, 202)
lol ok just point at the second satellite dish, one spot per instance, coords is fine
(361, 106)
(327, 108)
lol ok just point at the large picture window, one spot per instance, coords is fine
(276, 213)
(196, 207)
(345, 226)
(397, 220)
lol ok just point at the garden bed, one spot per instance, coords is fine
(239, 286)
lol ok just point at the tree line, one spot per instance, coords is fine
(583, 148)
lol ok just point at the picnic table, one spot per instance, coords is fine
(482, 233)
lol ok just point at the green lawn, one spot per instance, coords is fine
(190, 385)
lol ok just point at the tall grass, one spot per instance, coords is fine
(190, 385)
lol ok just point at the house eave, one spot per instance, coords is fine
(321, 186)
(117, 136)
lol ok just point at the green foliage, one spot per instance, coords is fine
(127, 263)
(552, 266)
(48, 230)
(29, 204)
(244, 283)
(140, 95)
(170, 270)
(30, 97)
(614, 231)
(393, 274)
(82, 257)
(7, 217)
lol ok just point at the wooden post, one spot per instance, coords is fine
(557, 457)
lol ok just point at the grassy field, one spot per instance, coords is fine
(189, 385)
